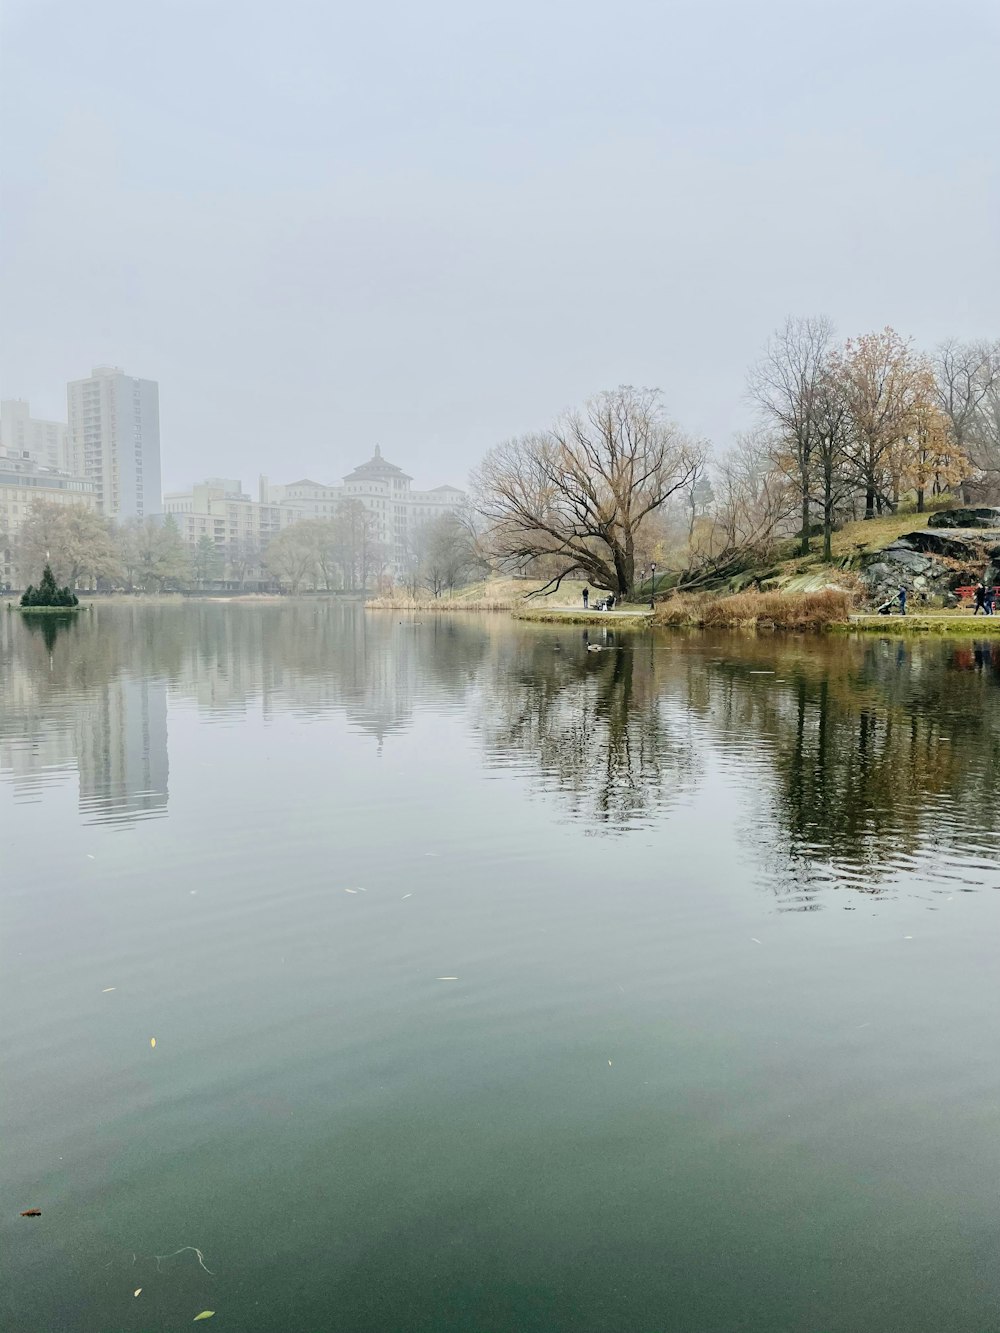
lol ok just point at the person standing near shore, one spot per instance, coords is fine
(586, 598)
(980, 598)
(901, 595)
(988, 595)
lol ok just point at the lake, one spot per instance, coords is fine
(497, 985)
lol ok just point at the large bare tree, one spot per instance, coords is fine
(831, 461)
(967, 376)
(579, 493)
(785, 384)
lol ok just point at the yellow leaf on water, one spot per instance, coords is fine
(137, 1290)
(152, 1042)
(205, 1314)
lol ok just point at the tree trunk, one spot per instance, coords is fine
(870, 502)
(827, 524)
(804, 546)
(920, 500)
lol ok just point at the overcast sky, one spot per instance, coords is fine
(433, 224)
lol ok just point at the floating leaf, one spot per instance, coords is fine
(152, 1042)
(137, 1291)
(205, 1314)
(447, 978)
(108, 989)
(32, 1212)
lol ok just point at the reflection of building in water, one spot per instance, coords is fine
(307, 662)
(115, 736)
(31, 758)
(122, 750)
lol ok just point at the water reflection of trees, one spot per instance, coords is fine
(595, 727)
(877, 750)
(855, 754)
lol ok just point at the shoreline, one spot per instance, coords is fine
(637, 619)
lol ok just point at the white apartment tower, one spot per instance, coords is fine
(114, 441)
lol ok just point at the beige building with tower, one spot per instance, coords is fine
(385, 491)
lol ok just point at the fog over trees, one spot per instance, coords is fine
(845, 429)
(842, 429)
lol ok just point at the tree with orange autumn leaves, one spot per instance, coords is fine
(868, 419)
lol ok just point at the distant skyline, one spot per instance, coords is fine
(433, 227)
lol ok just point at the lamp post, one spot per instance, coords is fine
(652, 595)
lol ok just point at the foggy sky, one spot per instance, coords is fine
(433, 224)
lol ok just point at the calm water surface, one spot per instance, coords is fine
(497, 986)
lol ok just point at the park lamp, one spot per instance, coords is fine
(652, 595)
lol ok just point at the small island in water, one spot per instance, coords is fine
(48, 596)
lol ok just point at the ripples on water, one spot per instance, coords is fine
(674, 1085)
(861, 761)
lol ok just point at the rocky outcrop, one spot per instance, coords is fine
(932, 563)
(965, 518)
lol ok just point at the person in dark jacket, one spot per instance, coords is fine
(586, 598)
(901, 596)
(988, 599)
(980, 599)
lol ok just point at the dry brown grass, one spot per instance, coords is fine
(492, 594)
(758, 610)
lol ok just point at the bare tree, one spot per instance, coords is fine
(581, 492)
(244, 555)
(753, 502)
(292, 555)
(449, 553)
(831, 464)
(785, 383)
(355, 545)
(967, 381)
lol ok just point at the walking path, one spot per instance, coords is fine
(630, 612)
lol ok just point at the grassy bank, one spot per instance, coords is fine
(797, 612)
(576, 616)
(494, 594)
(438, 604)
(958, 623)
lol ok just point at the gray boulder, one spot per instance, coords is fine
(965, 518)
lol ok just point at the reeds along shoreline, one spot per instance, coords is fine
(797, 612)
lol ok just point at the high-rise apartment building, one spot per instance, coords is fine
(26, 436)
(114, 440)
